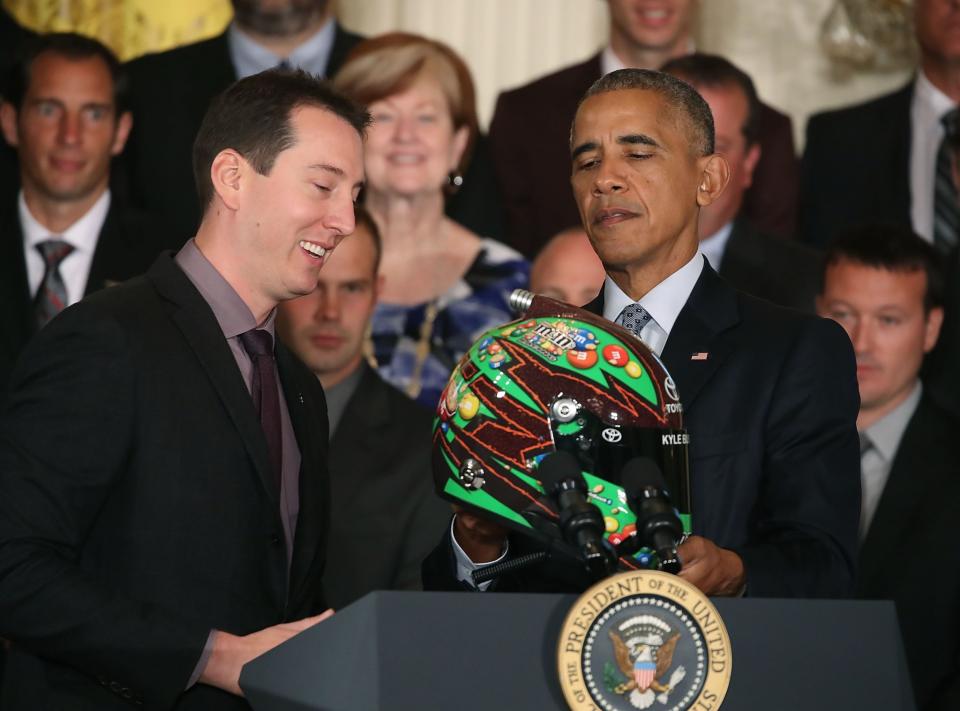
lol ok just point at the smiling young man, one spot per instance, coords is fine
(65, 234)
(769, 395)
(180, 450)
(884, 285)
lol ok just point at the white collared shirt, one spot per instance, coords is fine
(663, 302)
(714, 246)
(927, 107)
(82, 235)
(312, 55)
(466, 567)
(875, 463)
(610, 62)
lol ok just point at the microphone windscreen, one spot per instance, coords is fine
(640, 473)
(557, 467)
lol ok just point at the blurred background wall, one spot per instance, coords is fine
(509, 42)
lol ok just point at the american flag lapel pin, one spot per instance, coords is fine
(699, 355)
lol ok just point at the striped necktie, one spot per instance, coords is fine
(946, 210)
(51, 297)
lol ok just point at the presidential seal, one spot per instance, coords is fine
(643, 640)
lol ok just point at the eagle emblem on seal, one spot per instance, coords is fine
(643, 649)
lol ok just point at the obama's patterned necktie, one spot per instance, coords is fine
(633, 318)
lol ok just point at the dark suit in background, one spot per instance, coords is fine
(530, 135)
(910, 554)
(12, 35)
(387, 516)
(781, 271)
(941, 367)
(774, 453)
(128, 244)
(856, 167)
(169, 95)
(137, 505)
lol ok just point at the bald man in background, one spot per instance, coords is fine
(567, 269)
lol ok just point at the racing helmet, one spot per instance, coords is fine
(557, 379)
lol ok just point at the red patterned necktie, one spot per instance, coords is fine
(51, 297)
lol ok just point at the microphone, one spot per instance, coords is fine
(658, 526)
(581, 523)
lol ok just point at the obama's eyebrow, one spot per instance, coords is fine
(629, 139)
(637, 139)
(583, 148)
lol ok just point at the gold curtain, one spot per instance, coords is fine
(129, 27)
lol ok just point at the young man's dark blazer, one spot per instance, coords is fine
(387, 517)
(137, 507)
(774, 452)
(170, 92)
(856, 167)
(128, 244)
(781, 271)
(529, 138)
(910, 553)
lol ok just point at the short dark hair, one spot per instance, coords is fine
(713, 72)
(680, 96)
(893, 248)
(365, 221)
(70, 46)
(252, 117)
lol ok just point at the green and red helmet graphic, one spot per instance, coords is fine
(557, 379)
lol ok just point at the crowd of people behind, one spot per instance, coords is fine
(97, 179)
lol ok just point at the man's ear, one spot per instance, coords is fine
(122, 133)
(227, 173)
(931, 331)
(8, 122)
(714, 176)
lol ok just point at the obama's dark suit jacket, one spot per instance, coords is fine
(774, 453)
